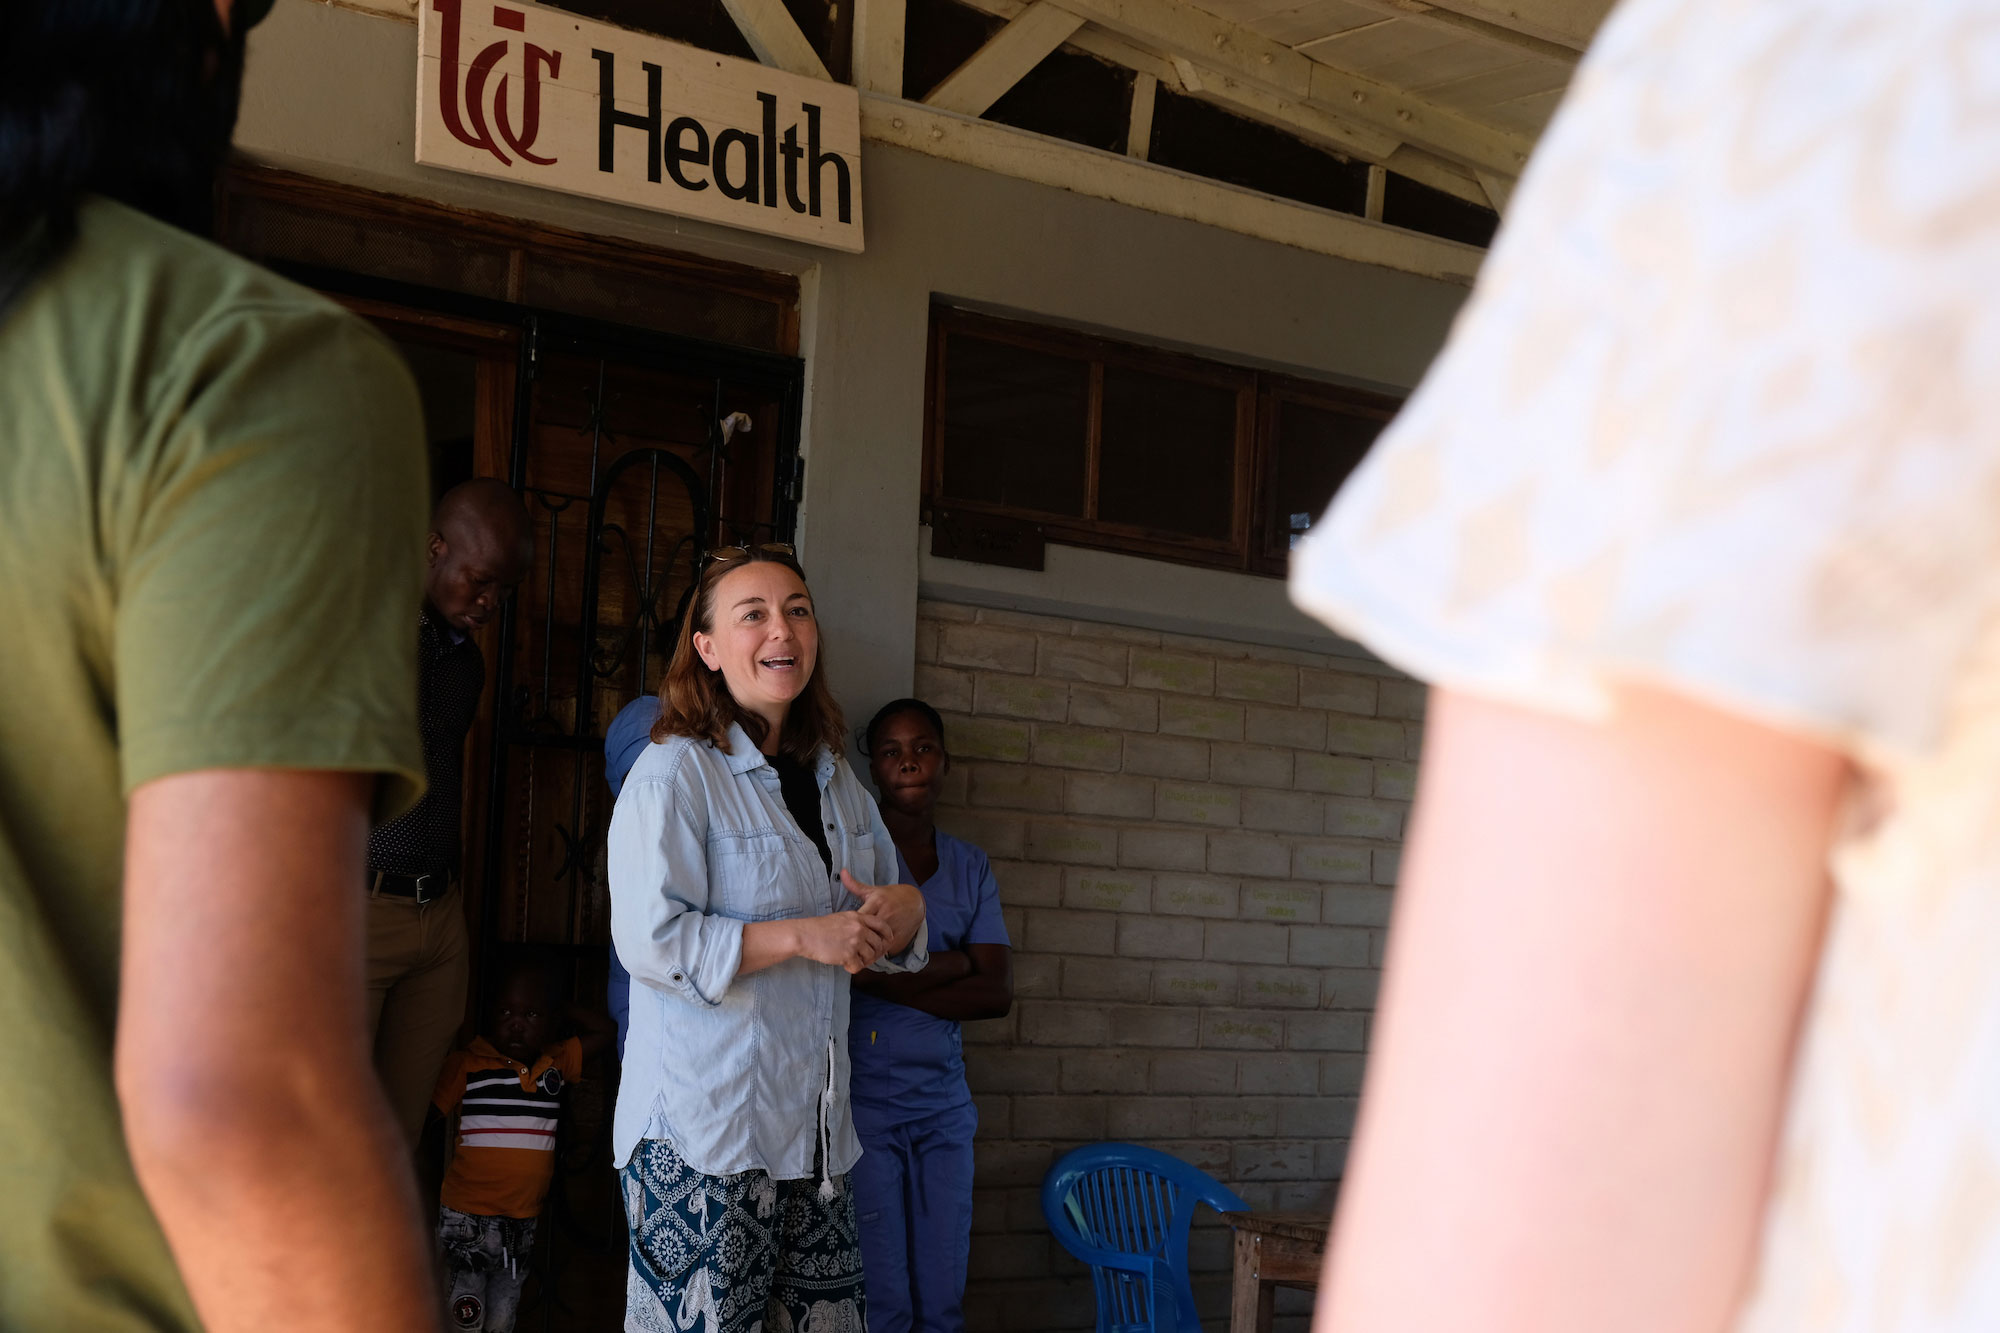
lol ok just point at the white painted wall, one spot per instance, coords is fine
(331, 92)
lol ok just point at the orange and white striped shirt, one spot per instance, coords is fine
(506, 1126)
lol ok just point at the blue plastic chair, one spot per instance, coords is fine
(1125, 1210)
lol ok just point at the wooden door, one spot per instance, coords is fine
(635, 455)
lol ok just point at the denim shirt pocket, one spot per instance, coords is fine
(858, 857)
(756, 875)
(851, 821)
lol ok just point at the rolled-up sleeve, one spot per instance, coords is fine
(917, 956)
(660, 921)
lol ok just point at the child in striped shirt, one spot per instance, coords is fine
(506, 1088)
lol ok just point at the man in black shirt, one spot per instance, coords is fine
(481, 545)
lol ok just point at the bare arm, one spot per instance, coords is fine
(976, 982)
(251, 1105)
(1602, 948)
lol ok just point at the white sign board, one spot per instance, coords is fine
(524, 93)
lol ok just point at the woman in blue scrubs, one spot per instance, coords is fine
(912, 1110)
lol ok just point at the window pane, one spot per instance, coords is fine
(1317, 448)
(1168, 458)
(1015, 424)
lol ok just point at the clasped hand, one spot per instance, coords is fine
(885, 923)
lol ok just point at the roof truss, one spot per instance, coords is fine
(1186, 49)
(774, 35)
(1372, 129)
(1007, 56)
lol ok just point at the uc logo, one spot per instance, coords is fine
(471, 128)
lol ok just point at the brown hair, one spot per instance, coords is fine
(694, 700)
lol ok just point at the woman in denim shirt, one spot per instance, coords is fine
(746, 863)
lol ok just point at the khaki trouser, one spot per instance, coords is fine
(418, 969)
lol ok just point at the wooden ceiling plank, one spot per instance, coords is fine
(1383, 43)
(1566, 23)
(1409, 55)
(1447, 64)
(1530, 114)
(1209, 42)
(1308, 122)
(1314, 123)
(1431, 14)
(1525, 78)
(1321, 18)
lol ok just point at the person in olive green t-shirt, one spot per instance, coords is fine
(213, 498)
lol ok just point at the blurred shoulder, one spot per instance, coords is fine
(136, 263)
(175, 328)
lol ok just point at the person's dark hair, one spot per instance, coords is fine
(896, 708)
(695, 702)
(131, 99)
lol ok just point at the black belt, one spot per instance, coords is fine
(422, 889)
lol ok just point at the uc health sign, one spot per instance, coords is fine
(529, 94)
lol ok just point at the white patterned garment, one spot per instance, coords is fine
(1724, 414)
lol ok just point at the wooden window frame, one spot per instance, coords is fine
(1272, 554)
(1256, 543)
(244, 184)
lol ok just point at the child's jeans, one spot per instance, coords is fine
(485, 1262)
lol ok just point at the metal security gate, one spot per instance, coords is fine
(543, 357)
(635, 453)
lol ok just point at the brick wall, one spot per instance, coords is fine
(1196, 842)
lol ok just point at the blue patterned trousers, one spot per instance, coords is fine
(737, 1254)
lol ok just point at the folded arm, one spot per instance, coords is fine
(1602, 949)
(960, 984)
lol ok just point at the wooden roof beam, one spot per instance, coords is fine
(775, 37)
(1101, 175)
(878, 46)
(1439, 174)
(1180, 30)
(1302, 118)
(1253, 101)
(1005, 58)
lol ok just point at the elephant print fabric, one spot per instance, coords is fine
(737, 1254)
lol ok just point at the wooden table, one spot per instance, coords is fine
(1272, 1250)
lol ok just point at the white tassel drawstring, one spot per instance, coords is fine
(826, 1190)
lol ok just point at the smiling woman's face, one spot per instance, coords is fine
(764, 639)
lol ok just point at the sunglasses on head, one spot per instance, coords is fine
(765, 548)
